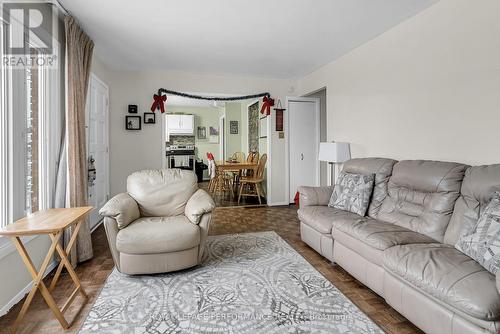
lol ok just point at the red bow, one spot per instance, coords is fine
(268, 102)
(158, 102)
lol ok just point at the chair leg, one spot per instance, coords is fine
(241, 190)
(231, 185)
(213, 184)
(258, 192)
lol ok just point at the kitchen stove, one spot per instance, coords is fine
(181, 156)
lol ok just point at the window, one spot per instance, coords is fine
(31, 118)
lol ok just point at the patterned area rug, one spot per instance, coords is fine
(248, 283)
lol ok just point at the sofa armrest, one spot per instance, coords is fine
(111, 228)
(199, 204)
(498, 281)
(123, 208)
(309, 196)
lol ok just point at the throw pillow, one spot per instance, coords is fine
(482, 242)
(352, 192)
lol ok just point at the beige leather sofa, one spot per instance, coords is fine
(160, 224)
(404, 248)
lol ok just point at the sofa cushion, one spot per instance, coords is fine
(162, 193)
(421, 196)
(373, 255)
(482, 242)
(158, 235)
(448, 275)
(378, 234)
(352, 192)
(382, 168)
(321, 217)
(479, 184)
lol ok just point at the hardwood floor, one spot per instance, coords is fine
(283, 220)
(228, 201)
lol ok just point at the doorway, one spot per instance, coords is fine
(97, 120)
(303, 122)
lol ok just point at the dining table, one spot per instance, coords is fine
(232, 166)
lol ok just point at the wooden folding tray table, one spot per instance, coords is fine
(51, 222)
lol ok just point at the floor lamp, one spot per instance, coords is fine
(334, 153)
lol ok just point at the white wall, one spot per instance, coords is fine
(233, 141)
(135, 150)
(428, 88)
(14, 276)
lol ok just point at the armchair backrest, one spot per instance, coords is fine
(162, 193)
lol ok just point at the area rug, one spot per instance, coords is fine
(248, 283)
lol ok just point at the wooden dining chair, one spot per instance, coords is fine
(213, 176)
(253, 157)
(220, 182)
(236, 173)
(252, 185)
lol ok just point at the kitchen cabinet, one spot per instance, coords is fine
(180, 124)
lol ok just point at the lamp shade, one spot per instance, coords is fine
(334, 152)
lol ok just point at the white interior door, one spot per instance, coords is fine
(303, 143)
(97, 146)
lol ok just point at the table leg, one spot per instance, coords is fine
(38, 281)
(66, 263)
(63, 262)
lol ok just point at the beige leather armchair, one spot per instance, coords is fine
(160, 224)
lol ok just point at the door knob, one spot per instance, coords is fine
(301, 156)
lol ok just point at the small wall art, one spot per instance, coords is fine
(233, 127)
(202, 132)
(214, 131)
(132, 122)
(149, 118)
(132, 108)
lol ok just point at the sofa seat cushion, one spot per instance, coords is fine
(321, 218)
(154, 235)
(448, 275)
(378, 234)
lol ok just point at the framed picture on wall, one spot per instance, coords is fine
(233, 127)
(149, 118)
(132, 122)
(214, 131)
(202, 132)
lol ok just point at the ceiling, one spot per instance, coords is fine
(278, 38)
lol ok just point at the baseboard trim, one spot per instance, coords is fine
(17, 298)
(97, 225)
(278, 204)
